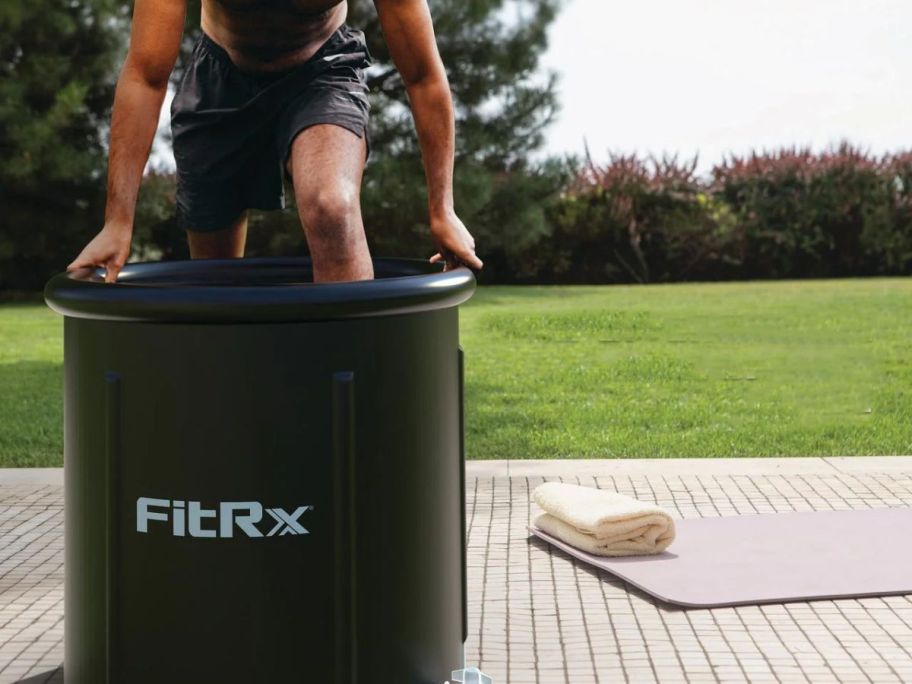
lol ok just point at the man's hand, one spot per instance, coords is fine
(455, 245)
(109, 250)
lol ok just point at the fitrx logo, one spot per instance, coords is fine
(190, 518)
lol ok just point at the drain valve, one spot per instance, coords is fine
(471, 675)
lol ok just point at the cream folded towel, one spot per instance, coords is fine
(601, 522)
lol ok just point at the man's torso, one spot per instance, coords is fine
(271, 35)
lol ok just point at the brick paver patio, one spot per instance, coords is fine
(536, 615)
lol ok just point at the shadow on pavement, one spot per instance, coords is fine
(54, 676)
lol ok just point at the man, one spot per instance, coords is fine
(274, 87)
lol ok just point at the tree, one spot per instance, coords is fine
(58, 64)
(503, 102)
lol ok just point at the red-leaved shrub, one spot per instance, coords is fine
(634, 219)
(799, 213)
(791, 213)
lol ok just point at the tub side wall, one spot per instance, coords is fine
(85, 518)
(242, 415)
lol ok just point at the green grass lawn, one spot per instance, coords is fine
(743, 369)
(31, 385)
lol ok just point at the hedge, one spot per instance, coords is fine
(791, 213)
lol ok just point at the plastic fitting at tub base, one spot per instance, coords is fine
(470, 675)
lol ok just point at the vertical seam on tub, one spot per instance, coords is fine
(344, 515)
(113, 446)
(462, 498)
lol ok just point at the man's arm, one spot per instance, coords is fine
(409, 34)
(154, 44)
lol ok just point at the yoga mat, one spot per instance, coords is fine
(772, 558)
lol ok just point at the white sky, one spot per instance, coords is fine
(718, 76)
(710, 77)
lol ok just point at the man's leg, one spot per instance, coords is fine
(326, 164)
(227, 243)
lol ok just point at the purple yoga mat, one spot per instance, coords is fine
(772, 558)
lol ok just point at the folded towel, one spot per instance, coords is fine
(601, 522)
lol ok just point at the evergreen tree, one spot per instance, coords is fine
(503, 102)
(58, 63)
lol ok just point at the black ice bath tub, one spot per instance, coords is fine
(264, 476)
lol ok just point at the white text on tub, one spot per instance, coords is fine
(190, 518)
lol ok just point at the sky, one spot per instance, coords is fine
(711, 77)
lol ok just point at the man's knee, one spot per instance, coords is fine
(331, 214)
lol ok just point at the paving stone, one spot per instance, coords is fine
(537, 615)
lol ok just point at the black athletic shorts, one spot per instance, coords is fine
(232, 131)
